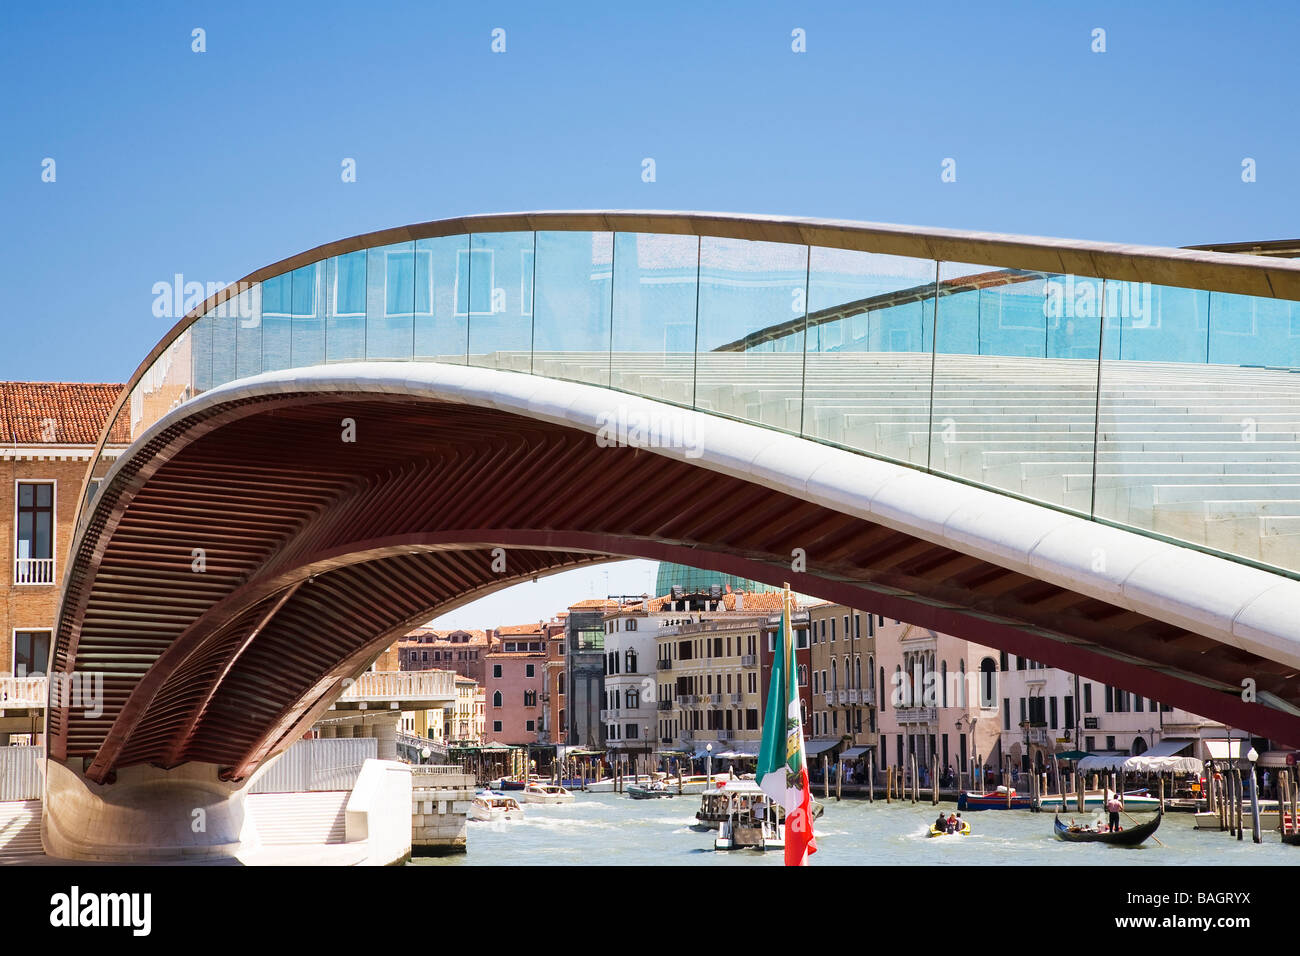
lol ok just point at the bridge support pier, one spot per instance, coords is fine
(147, 814)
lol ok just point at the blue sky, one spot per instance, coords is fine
(213, 164)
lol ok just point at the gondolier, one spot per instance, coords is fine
(1114, 806)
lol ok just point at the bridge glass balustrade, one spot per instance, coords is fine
(441, 299)
(1199, 416)
(869, 340)
(656, 291)
(1015, 380)
(499, 272)
(572, 326)
(746, 289)
(1167, 410)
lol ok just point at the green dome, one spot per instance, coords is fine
(693, 580)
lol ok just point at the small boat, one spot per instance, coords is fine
(752, 823)
(1291, 838)
(715, 804)
(489, 805)
(1130, 837)
(546, 793)
(994, 800)
(652, 792)
(964, 831)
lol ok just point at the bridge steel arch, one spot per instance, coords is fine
(316, 551)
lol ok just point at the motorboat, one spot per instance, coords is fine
(489, 805)
(964, 831)
(1074, 833)
(546, 793)
(753, 822)
(715, 804)
(994, 800)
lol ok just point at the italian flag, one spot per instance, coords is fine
(782, 764)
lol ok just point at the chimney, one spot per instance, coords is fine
(740, 600)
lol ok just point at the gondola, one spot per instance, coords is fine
(1130, 837)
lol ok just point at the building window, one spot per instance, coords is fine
(633, 732)
(496, 698)
(530, 670)
(496, 670)
(560, 682)
(632, 698)
(31, 652)
(496, 726)
(530, 725)
(34, 545)
(530, 698)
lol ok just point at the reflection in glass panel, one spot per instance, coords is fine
(308, 346)
(571, 328)
(1199, 416)
(277, 323)
(345, 307)
(441, 326)
(1015, 381)
(870, 325)
(201, 354)
(166, 384)
(499, 272)
(223, 347)
(392, 302)
(749, 361)
(247, 308)
(654, 315)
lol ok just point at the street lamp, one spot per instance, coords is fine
(708, 762)
(1252, 756)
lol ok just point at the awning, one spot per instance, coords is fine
(815, 747)
(1102, 762)
(1219, 749)
(854, 752)
(1166, 748)
(1273, 758)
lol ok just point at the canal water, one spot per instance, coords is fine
(610, 829)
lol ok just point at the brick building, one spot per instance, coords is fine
(48, 433)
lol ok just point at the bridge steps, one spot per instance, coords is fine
(20, 831)
(310, 817)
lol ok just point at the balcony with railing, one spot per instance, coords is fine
(22, 692)
(415, 689)
(737, 698)
(664, 665)
(915, 715)
(749, 660)
(34, 571)
(665, 705)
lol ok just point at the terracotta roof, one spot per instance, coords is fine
(507, 629)
(754, 601)
(414, 637)
(593, 603)
(58, 413)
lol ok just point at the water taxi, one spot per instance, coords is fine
(752, 822)
(546, 793)
(715, 804)
(489, 805)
